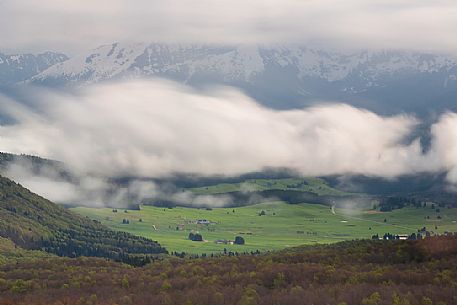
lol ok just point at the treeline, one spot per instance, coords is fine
(33, 222)
(367, 272)
(120, 246)
(35, 164)
(390, 203)
(420, 188)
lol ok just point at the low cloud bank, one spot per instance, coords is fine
(60, 185)
(157, 128)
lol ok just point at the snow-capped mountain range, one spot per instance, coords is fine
(242, 63)
(280, 76)
(19, 67)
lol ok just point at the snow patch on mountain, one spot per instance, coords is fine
(19, 67)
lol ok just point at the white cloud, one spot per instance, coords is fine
(444, 145)
(156, 128)
(72, 25)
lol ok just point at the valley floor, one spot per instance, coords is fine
(282, 225)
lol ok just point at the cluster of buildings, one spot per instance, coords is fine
(422, 233)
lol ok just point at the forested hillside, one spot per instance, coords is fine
(35, 165)
(367, 272)
(11, 253)
(7, 158)
(33, 222)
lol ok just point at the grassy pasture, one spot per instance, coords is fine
(283, 225)
(308, 184)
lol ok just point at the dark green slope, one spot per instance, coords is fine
(33, 222)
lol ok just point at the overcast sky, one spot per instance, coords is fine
(75, 25)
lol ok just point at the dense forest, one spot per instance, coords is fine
(363, 272)
(33, 222)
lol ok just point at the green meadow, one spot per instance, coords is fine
(283, 225)
(307, 184)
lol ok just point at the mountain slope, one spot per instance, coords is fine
(33, 165)
(240, 63)
(278, 76)
(19, 67)
(33, 222)
(7, 159)
(11, 253)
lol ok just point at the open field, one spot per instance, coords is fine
(283, 225)
(308, 184)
